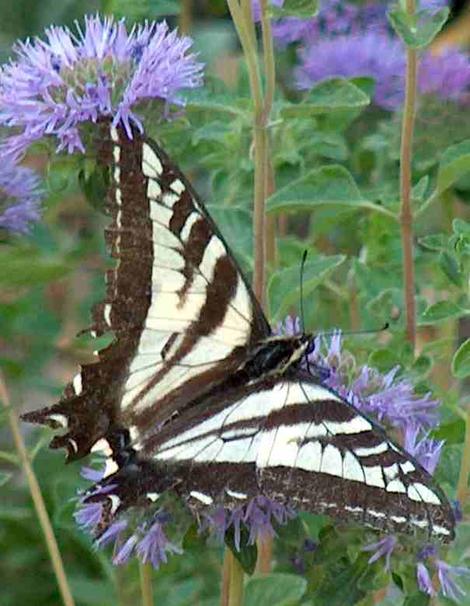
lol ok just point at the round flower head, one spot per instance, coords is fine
(52, 86)
(20, 196)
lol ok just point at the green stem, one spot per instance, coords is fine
(243, 22)
(406, 216)
(185, 16)
(270, 78)
(146, 589)
(225, 586)
(462, 486)
(38, 500)
(235, 583)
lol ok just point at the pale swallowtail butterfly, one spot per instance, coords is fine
(196, 395)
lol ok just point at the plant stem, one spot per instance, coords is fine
(270, 75)
(235, 582)
(242, 18)
(406, 215)
(146, 589)
(185, 17)
(37, 497)
(265, 555)
(462, 486)
(225, 587)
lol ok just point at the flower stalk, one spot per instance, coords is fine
(236, 588)
(264, 250)
(406, 214)
(37, 497)
(146, 589)
(462, 486)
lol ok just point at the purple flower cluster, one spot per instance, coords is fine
(446, 574)
(258, 516)
(148, 541)
(372, 54)
(354, 40)
(53, 86)
(20, 197)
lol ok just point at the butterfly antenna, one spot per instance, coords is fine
(302, 314)
(368, 331)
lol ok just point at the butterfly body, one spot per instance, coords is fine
(196, 395)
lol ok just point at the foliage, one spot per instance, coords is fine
(334, 155)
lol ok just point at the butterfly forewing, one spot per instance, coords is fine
(181, 311)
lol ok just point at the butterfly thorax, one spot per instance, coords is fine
(276, 355)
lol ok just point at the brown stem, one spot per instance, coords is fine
(185, 17)
(259, 210)
(225, 588)
(406, 215)
(265, 555)
(37, 497)
(462, 486)
(146, 588)
(236, 582)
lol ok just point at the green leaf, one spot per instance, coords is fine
(450, 266)
(235, 224)
(205, 100)
(419, 190)
(461, 227)
(455, 162)
(140, 9)
(212, 131)
(417, 599)
(94, 186)
(452, 433)
(245, 553)
(17, 268)
(5, 477)
(443, 310)
(461, 361)
(327, 185)
(420, 29)
(328, 96)
(11, 457)
(275, 589)
(284, 285)
(303, 9)
(435, 242)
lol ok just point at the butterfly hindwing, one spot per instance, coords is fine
(182, 313)
(298, 442)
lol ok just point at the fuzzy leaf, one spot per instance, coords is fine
(419, 30)
(450, 266)
(455, 162)
(461, 361)
(303, 9)
(17, 270)
(5, 477)
(327, 185)
(332, 95)
(247, 554)
(140, 9)
(284, 285)
(204, 100)
(435, 242)
(443, 310)
(275, 589)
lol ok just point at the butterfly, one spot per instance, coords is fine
(196, 395)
